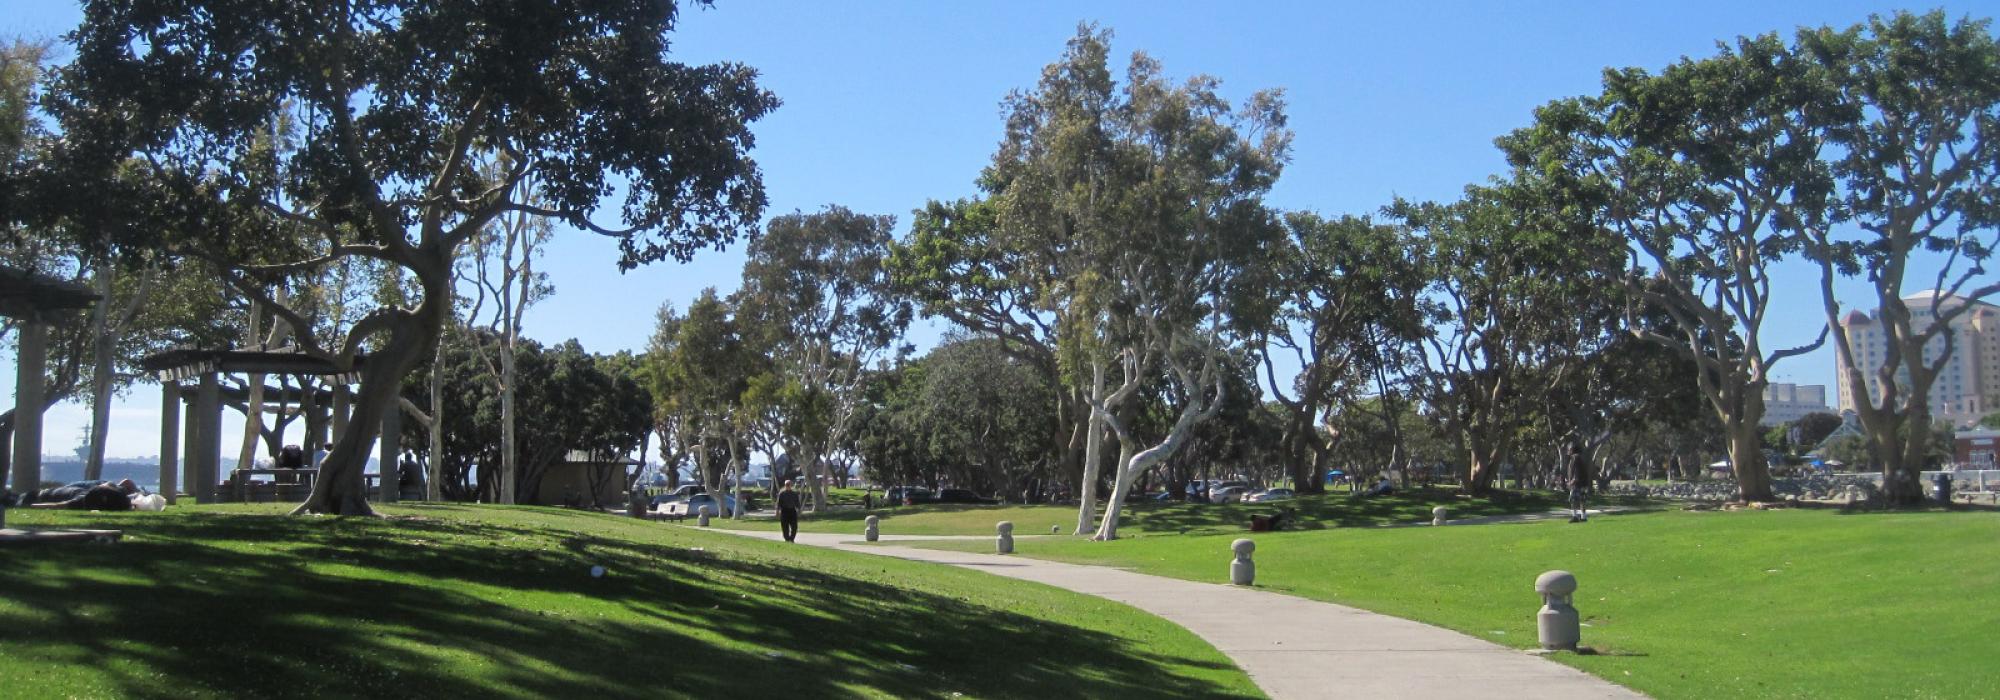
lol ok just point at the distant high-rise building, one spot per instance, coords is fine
(1784, 403)
(1969, 385)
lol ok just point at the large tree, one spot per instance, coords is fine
(815, 294)
(1338, 296)
(1700, 168)
(398, 107)
(1912, 116)
(1515, 299)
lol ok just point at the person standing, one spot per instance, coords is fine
(788, 511)
(1579, 501)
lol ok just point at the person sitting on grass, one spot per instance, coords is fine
(1382, 487)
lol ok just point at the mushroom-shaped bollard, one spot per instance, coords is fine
(1005, 543)
(874, 531)
(1558, 622)
(1440, 515)
(1242, 571)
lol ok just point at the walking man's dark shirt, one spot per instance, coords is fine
(788, 512)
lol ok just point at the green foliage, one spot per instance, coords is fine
(565, 399)
(968, 413)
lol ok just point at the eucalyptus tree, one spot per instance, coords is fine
(397, 104)
(815, 291)
(1337, 297)
(674, 419)
(1186, 219)
(1515, 287)
(502, 272)
(1705, 169)
(1114, 216)
(1912, 118)
(709, 369)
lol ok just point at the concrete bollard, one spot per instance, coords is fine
(1440, 515)
(1558, 623)
(701, 516)
(874, 528)
(1242, 571)
(1005, 543)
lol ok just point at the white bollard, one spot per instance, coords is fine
(705, 512)
(1558, 623)
(874, 528)
(1242, 571)
(1005, 543)
(1440, 515)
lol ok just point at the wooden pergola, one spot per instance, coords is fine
(36, 301)
(193, 377)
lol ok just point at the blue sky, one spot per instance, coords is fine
(888, 104)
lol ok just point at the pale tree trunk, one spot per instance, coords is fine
(100, 381)
(1199, 409)
(735, 475)
(253, 411)
(433, 484)
(1093, 451)
(104, 347)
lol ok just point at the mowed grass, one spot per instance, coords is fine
(1143, 519)
(496, 602)
(1790, 603)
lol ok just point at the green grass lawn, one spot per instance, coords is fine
(1789, 603)
(1152, 519)
(486, 602)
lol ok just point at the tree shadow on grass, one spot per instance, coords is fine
(1330, 510)
(206, 604)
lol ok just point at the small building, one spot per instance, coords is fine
(585, 479)
(1977, 449)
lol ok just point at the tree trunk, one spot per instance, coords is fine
(1107, 528)
(434, 486)
(100, 380)
(735, 476)
(1746, 460)
(1093, 448)
(509, 462)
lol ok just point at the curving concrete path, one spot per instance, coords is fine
(1291, 647)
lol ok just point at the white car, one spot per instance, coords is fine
(1267, 496)
(693, 505)
(1228, 494)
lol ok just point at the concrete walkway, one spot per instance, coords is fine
(1291, 647)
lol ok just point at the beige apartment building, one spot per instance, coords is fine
(1969, 385)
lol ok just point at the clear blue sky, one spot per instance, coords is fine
(888, 104)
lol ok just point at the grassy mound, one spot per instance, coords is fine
(455, 601)
(1143, 519)
(1792, 603)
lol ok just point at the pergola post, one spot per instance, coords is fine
(30, 359)
(170, 438)
(391, 458)
(208, 410)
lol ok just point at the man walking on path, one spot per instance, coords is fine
(788, 511)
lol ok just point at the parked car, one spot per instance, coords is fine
(678, 494)
(1227, 491)
(1268, 496)
(908, 495)
(692, 505)
(963, 496)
